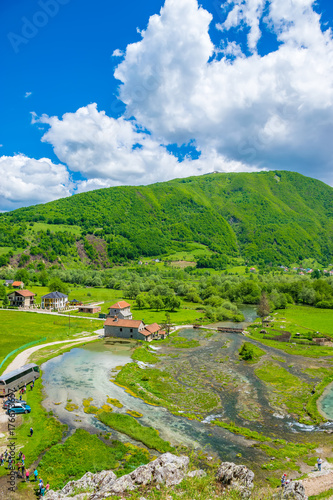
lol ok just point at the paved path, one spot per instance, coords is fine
(318, 482)
(22, 358)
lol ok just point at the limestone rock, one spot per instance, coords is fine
(167, 469)
(236, 477)
(294, 491)
(196, 473)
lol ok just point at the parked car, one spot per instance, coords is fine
(12, 402)
(19, 408)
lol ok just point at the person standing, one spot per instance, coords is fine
(283, 480)
(27, 474)
(319, 462)
(2, 459)
(31, 386)
(47, 487)
(36, 474)
(31, 431)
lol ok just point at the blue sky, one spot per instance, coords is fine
(240, 85)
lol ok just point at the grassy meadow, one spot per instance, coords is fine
(20, 328)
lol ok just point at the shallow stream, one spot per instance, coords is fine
(85, 372)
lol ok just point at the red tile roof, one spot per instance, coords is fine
(25, 293)
(120, 305)
(145, 332)
(153, 328)
(17, 283)
(127, 323)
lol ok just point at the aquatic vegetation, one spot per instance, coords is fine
(250, 352)
(71, 407)
(287, 390)
(114, 402)
(134, 413)
(105, 408)
(243, 431)
(131, 427)
(142, 354)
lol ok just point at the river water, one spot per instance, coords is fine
(85, 372)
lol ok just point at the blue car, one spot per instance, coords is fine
(18, 408)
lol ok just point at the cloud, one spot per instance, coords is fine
(27, 94)
(111, 152)
(271, 111)
(117, 53)
(26, 181)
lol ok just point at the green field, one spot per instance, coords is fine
(53, 228)
(320, 320)
(20, 328)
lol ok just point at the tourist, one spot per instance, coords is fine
(36, 474)
(31, 431)
(2, 459)
(31, 386)
(47, 487)
(319, 462)
(41, 485)
(20, 455)
(27, 474)
(283, 480)
(42, 491)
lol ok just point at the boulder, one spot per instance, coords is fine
(294, 491)
(167, 469)
(236, 477)
(196, 473)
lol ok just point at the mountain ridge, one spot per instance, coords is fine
(269, 217)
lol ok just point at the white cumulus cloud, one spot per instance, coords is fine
(26, 181)
(271, 111)
(109, 152)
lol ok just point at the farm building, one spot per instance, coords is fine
(132, 329)
(21, 298)
(18, 284)
(90, 309)
(121, 309)
(54, 300)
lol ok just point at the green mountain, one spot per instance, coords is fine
(279, 217)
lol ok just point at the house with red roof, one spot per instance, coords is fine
(132, 329)
(121, 309)
(18, 284)
(21, 298)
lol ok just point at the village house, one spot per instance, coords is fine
(90, 308)
(132, 329)
(121, 309)
(18, 284)
(54, 300)
(9, 282)
(21, 298)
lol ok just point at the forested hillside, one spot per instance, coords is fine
(267, 217)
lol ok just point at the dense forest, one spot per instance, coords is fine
(265, 218)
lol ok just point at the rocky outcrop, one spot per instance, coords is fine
(167, 469)
(236, 477)
(294, 491)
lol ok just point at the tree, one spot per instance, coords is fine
(156, 303)
(56, 285)
(5, 302)
(43, 278)
(2, 291)
(263, 308)
(141, 301)
(22, 275)
(172, 302)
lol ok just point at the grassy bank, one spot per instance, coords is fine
(83, 452)
(47, 430)
(132, 428)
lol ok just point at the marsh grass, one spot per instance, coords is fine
(131, 427)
